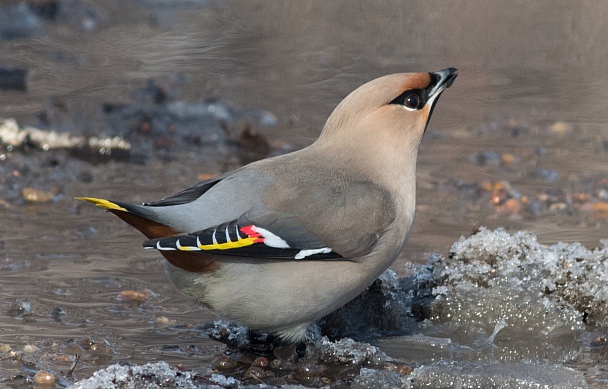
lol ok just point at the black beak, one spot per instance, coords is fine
(444, 79)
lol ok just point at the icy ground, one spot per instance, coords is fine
(500, 311)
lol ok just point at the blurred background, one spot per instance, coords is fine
(520, 141)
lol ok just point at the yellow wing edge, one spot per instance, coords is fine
(102, 203)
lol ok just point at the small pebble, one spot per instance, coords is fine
(163, 320)
(133, 298)
(260, 362)
(30, 349)
(600, 209)
(581, 198)
(558, 206)
(62, 358)
(31, 195)
(19, 308)
(4, 348)
(257, 373)
(224, 363)
(560, 128)
(499, 196)
(277, 364)
(44, 378)
(101, 348)
(511, 206)
(402, 370)
(57, 313)
(85, 343)
(599, 341)
(508, 159)
(170, 347)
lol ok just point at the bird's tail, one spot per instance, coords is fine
(140, 218)
(134, 215)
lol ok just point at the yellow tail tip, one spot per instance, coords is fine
(102, 203)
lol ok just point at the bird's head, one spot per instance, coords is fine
(396, 108)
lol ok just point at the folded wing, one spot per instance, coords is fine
(259, 233)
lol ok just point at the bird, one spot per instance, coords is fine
(279, 243)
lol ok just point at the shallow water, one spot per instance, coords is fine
(522, 68)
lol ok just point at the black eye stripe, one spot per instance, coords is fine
(402, 98)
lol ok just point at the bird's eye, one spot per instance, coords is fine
(412, 101)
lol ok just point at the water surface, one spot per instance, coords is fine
(522, 67)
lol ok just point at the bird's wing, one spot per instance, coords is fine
(190, 194)
(345, 224)
(258, 233)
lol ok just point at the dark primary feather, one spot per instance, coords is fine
(190, 194)
(286, 226)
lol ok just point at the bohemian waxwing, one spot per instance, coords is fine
(282, 242)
